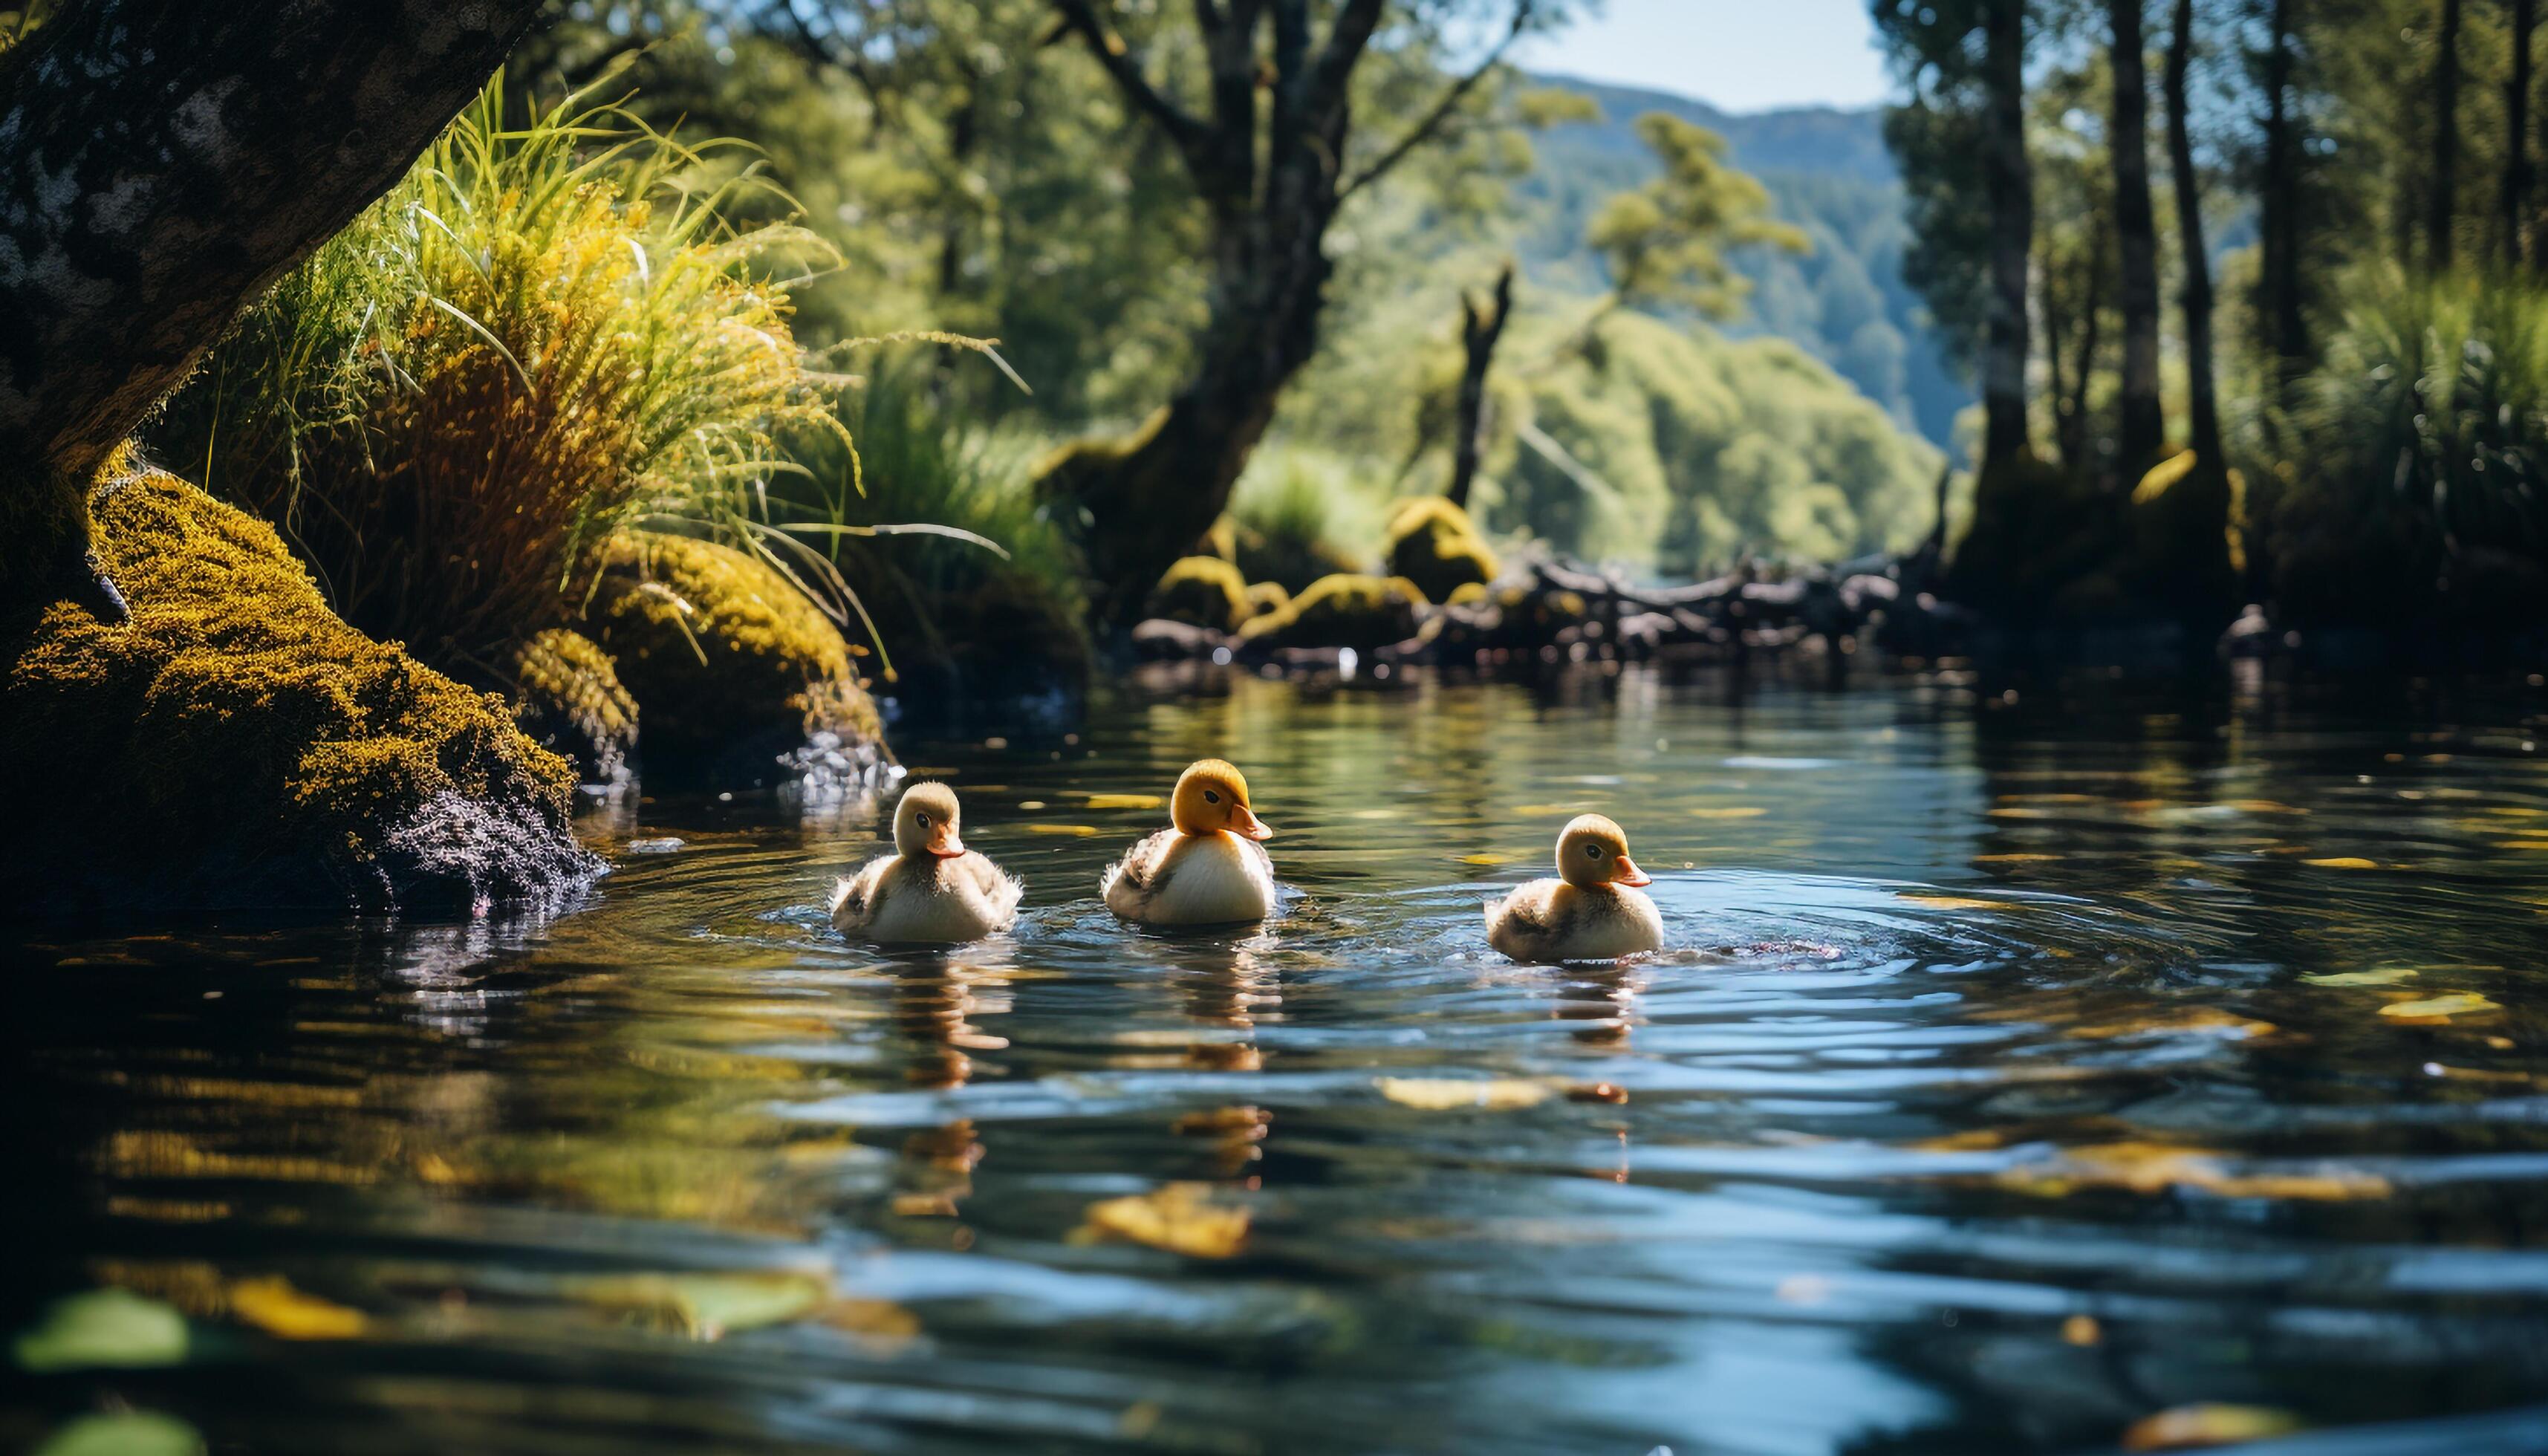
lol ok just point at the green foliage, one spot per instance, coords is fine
(1664, 243)
(1302, 512)
(537, 339)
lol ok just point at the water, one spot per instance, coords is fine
(2016, 1072)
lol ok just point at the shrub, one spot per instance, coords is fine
(1301, 514)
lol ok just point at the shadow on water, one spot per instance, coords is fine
(2020, 1067)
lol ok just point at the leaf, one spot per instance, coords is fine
(1952, 902)
(1175, 1218)
(2198, 1018)
(2439, 1008)
(124, 1433)
(272, 1304)
(1742, 811)
(704, 1305)
(1446, 1094)
(1125, 801)
(2158, 1168)
(1489, 859)
(2189, 1427)
(2018, 858)
(2386, 977)
(2345, 861)
(102, 1328)
(1536, 810)
(1077, 831)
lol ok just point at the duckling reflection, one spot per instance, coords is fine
(1603, 997)
(1228, 988)
(933, 1002)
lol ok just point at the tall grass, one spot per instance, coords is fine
(1302, 513)
(538, 338)
(2418, 477)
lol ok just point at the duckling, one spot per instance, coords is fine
(931, 889)
(1209, 870)
(1593, 911)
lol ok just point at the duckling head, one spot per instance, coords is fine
(1594, 852)
(926, 823)
(1212, 796)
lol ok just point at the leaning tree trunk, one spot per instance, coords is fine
(2011, 192)
(161, 162)
(2204, 400)
(1480, 327)
(2446, 140)
(2139, 429)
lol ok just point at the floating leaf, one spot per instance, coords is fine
(704, 1305)
(1176, 1218)
(1075, 831)
(2263, 806)
(2158, 1168)
(1487, 861)
(1446, 1094)
(1125, 801)
(2200, 1019)
(1952, 902)
(2345, 861)
(1740, 811)
(104, 1327)
(1537, 809)
(272, 1304)
(124, 1433)
(2081, 1330)
(2014, 858)
(2439, 1008)
(2189, 1427)
(2386, 977)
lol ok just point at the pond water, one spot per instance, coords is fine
(2017, 1071)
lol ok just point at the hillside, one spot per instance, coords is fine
(1829, 173)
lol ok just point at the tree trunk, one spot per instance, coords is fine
(2446, 140)
(161, 161)
(2010, 190)
(2517, 134)
(2141, 430)
(1479, 331)
(2203, 403)
(2282, 325)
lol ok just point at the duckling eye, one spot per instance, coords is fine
(1212, 796)
(1592, 852)
(923, 821)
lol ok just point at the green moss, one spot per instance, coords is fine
(724, 656)
(568, 696)
(1434, 543)
(1266, 598)
(1345, 610)
(237, 742)
(1203, 591)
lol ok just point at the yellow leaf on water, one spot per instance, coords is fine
(2263, 806)
(1952, 902)
(704, 1305)
(272, 1304)
(2345, 861)
(2439, 1008)
(1125, 801)
(2014, 858)
(2005, 813)
(2189, 1427)
(2198, 1018)
(2388, 977)
(1077, 831)
(2158, 1168)
(1536, 809)
(1444, 1094)
(1176, 1218)
(2523, 843)
(2081, 1330)
(1489, 859)
(1735, 811)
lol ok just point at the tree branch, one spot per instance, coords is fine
(1431, 122)
(1111, 54)
(1336, 60)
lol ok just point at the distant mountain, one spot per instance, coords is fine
(1827, 171)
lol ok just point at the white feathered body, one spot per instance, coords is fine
(913, 899)
(1178, 878)
(1551, 920)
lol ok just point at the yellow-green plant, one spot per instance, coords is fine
(538, 338)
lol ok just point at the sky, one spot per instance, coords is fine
(1737, 55)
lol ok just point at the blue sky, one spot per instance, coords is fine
(1739, 54)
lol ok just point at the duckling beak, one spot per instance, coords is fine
(1243, 820)
(1624, 871)
(943, 845)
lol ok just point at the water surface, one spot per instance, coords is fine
(2017, 1070)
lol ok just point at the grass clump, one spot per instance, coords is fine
(538, 338)
(1299, 514)
(1203, 590)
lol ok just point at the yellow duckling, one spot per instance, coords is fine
(930, 891)
(1208, 869)
(1592, 911)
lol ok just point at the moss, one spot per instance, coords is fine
(1434, 543)
(1468, 594)
(728, 661)
(1266, 598)
(568, 696)
(1342, 610)
(1203, 592)
(238, 743)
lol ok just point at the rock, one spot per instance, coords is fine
(1161, 640)
(236, 743)
(1340, 610)
(1203, 590)
(568, 697)
(731, 667)
(1432, 543)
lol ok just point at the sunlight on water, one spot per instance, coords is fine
(2009, 1077)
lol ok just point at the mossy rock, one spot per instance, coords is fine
(1469, 593)
(1434, 543)
(1267, 598)
(1220, 542)
(567, 695)
(1201, 592)
(730, 664)
(1342, 610)
(237, 744)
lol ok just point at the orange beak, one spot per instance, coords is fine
(943, 845)
(1624, 871)
(1243, 820)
